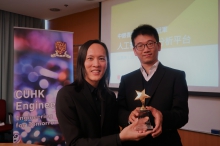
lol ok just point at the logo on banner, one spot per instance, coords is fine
(60, 50)
(16, 137)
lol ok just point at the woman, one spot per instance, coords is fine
(86, 109)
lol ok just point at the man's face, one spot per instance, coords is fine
(147, 56)
(95, 64)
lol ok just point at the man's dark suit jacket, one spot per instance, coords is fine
(80, 122)
(169, 94)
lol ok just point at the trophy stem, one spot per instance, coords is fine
(142, 108)
(143, 105)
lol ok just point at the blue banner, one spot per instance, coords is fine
(43, 63)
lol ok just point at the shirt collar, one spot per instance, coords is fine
(91, 88)
(151, 72)
(154, 67)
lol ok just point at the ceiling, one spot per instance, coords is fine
(41, 8)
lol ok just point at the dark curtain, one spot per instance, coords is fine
(9, 20)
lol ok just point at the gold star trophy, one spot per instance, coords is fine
(143, 118)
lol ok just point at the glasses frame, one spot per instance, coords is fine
(145, 45)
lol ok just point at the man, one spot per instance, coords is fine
(166, 87)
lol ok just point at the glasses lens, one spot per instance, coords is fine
(140, 47)
(150, 44)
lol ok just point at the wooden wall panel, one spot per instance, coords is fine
(84, 25)
(190, 138)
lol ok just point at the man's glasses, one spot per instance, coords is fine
(149, 45)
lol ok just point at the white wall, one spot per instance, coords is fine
(204, 114)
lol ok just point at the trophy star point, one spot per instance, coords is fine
(141, 95)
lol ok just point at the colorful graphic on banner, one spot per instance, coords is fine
(43, 63)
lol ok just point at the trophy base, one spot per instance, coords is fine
(144, 121)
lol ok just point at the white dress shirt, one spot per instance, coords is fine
(151, 71)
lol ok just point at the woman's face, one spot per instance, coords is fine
(95, 64)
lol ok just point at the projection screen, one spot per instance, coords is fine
(188, 33)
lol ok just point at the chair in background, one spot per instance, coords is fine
(6, 127)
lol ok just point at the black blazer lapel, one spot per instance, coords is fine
(136, 85)
(136, 81)
(158, 75)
